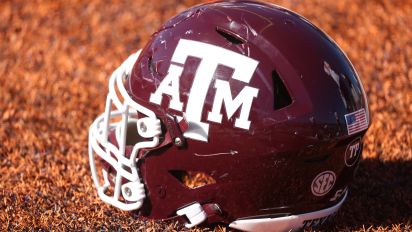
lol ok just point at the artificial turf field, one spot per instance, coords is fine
(55, 61)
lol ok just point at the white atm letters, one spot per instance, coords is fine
(211, 56)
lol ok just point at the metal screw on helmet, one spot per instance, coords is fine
(128, 191)
(178, 141)
(143, 127)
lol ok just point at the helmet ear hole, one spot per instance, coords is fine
(193, 179)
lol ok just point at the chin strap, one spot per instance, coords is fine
(195, 214)
(173, 135)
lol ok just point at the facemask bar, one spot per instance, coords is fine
(132, 192)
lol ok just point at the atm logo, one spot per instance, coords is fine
(211, 57)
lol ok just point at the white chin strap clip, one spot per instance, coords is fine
(194, 213)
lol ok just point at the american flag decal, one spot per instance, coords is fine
(356, 121)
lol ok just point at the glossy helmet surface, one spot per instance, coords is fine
(249, 95)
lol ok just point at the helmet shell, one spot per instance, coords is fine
(306, 85)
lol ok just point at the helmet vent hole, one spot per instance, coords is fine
(281, 96)
(150, 64)
(230, 36)
(192, 179)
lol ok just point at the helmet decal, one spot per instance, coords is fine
(323, 183)
(211, 57)
(353, 152)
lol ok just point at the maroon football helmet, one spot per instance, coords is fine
(251, 97)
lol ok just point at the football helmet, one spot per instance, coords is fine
(236, 112)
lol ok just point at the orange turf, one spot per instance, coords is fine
(55, 60)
